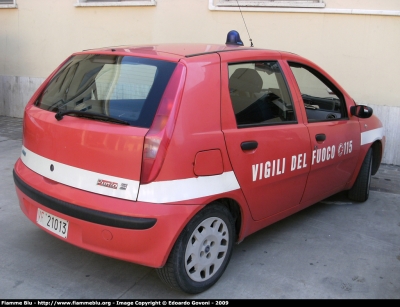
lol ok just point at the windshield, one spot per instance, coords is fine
(121, 87)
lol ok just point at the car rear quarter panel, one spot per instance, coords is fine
(197, 128)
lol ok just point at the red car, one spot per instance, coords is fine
(167, 155)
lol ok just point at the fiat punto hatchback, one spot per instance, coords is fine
(167, 155)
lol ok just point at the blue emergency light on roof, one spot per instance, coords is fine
(233, 38)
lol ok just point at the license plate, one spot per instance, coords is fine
(53, 223)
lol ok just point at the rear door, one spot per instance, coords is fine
(267, 146)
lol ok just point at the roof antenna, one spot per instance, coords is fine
(251, 41)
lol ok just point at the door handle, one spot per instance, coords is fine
(249, 145)
(320, 137)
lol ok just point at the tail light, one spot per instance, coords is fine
(159, 135)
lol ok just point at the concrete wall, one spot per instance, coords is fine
(390, 118)
(15, 92)
(356, 41)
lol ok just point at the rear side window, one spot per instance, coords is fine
(122, 87)
(259, 94)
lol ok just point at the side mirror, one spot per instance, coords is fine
(361, 111)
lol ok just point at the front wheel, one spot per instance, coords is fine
(360, 189)
(202, 251)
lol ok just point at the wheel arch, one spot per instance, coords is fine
(377, 153)
(235, 209)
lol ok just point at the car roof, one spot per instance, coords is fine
(174, 52)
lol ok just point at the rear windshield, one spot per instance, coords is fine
(122, 87)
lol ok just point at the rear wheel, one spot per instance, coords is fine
(360, 189)
(201, 252)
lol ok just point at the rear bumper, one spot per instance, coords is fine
(85, 214)
(138, 232)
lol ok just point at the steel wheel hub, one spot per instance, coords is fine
(206, 249)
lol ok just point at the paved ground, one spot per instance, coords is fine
(334, 249)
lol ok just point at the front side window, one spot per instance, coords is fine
(121, 87)
(322, 100)
(259, 94)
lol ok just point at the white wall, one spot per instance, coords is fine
(356, 41)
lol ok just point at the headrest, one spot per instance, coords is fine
(246, 80)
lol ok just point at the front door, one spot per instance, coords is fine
(335, 138)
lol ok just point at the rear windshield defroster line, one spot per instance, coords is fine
(89, 215)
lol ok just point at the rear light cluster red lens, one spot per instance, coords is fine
(159, 135)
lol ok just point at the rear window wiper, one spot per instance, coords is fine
(60, 115)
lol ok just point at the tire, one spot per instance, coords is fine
(360, 190)
(202, 251)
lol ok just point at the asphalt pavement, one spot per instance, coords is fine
(334, 249)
